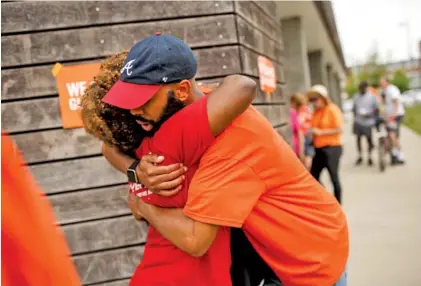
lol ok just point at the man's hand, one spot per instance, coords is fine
(163, 180)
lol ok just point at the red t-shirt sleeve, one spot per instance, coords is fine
(223, 192)
(183, 138)
(196, 135)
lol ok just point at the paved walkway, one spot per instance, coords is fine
(384, 212)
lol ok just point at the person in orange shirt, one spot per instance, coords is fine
(375, 91)
(251, 179)
(326, 129)
(34, 250)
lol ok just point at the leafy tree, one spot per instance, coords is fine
(401, 80)
(371, 72)
(351, 86)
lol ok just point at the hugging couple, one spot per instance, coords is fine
(226, 199)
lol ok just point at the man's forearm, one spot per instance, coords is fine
(117, 159)
(190, 236)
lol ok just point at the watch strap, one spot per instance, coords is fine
(134, 165)
(131, 172)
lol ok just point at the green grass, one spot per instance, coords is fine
(412, 118)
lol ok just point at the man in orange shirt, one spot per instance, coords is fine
(251, 179)
(34, 250)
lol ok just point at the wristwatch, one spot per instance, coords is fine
(131, 172)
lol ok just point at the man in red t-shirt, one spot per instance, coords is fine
(157, 101)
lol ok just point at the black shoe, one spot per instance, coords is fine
(359, 161)
(370, 162)
(396, 161)
(393, 160)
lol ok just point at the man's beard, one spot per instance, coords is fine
(173, 106)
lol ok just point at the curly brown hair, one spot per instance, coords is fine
(113, 126)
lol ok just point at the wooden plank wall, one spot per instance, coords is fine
(259, 33)
(87, 194)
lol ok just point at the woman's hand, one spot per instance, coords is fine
(317, 131)
(321, 132)
(162, 180)
(134, 205)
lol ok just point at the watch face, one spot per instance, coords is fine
(131, 175)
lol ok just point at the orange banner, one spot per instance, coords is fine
(71, 84)
(267, 74)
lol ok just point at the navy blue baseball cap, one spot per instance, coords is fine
(151, 63)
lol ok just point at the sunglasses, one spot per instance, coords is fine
(313, 99)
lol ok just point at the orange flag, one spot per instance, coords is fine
(34, 250)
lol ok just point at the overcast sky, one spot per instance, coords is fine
(365, 24)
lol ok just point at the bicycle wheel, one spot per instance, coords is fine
(382, 154)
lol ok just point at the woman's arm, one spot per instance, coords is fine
(229, 100)
(335, 116)
(301, 144)
(116, 158)
(331, 131)
(296, 126)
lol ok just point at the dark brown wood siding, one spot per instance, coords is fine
(87, 194)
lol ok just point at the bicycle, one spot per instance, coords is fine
(384, 143)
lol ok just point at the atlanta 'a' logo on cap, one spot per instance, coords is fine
(128, 68)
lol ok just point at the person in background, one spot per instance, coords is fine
(326, 129)
(380, 102)
(34, 249)
(375, 92)
(365, 109)
(299, 103)
(394, 113)
(297, 134)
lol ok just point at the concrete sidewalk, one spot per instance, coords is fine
(384, 212)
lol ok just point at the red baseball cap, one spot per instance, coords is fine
(151, 63)
(127, 95)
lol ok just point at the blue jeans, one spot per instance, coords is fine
(343, 281)
(269, 282)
